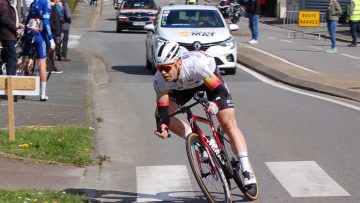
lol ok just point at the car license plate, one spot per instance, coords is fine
(138, 23)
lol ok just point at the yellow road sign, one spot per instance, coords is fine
(309, 18)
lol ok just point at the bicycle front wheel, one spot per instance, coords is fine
(207, 171)
(251, 192)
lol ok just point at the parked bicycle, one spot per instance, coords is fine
(211, 158)
(26, 65)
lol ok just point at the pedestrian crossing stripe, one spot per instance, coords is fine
(163, 183)
(305, 179)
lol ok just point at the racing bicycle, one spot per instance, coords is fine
(210, 156)
(26, 65)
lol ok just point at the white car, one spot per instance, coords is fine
(194, 27)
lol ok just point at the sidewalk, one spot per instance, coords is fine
(278, 70)
(69, 100)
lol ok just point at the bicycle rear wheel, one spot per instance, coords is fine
(211, 180)
(251, 192)
(25, 66)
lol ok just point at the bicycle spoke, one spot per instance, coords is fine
(211, 181)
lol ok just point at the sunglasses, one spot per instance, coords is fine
(167, 68)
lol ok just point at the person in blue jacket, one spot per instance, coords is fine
(37, 26)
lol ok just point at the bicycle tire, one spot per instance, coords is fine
(250, 192)
(193, 142)
(24, 67)
(49, 68)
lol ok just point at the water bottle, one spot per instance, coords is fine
(214, 146)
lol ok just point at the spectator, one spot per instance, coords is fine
(56, 19)
(93, 3)
(65, 30)
(253, 9)
(332, 18)
(9, 22)
(353, 12)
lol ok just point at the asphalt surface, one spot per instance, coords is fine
(71, 93)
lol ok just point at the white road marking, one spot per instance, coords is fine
(314, 47)
(284, 40)
(282, 86)
(281, 59)
(350, 56)
(73, 41)
(163, 183)
(305, 179)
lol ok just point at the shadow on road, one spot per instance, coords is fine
(134, 70)
(121, 196)
(123, 32)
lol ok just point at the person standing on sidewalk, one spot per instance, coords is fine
(56, 19)
(65, 30)
(332, 17)
(353, 11)
(253, 10)
(9, 22)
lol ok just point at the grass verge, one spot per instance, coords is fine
(65, 144)
(40, 196)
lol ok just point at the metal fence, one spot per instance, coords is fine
(291, 23)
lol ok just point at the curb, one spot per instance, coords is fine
(288, 78)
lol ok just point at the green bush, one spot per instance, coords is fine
(72, 5)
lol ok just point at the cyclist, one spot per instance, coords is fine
(38, 26)
(178, 77)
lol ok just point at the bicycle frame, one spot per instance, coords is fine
(193, 119)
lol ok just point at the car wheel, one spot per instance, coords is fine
(231, 71)
(148, 64)
(118, 29)
(153, 68)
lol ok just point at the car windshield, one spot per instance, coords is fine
(191, 18)
(139, 4)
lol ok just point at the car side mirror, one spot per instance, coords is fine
(233, 27)
(149, 27)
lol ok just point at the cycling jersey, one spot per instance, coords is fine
(198, 73)
(37, 25)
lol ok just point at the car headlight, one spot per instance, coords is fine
(230, 42)
(122, 18)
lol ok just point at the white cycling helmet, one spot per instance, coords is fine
(167, 53)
